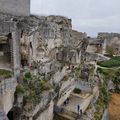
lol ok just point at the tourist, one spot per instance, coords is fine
(67, 100)
(78, 108)
(81, 112)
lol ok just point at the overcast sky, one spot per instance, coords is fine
(91, 16)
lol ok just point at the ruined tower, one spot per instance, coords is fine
(15, 7)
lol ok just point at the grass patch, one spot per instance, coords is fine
(109, 63)
(116, 58)
(113, 62)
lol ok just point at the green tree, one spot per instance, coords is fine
(110, 50)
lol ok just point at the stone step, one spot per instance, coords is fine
(63, 116)
(72, 114)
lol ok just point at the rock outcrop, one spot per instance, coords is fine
(52, 49)
(51, 56)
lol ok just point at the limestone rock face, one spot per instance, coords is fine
(51, 49)
(3, 115)
(49, 36)
(94, 56)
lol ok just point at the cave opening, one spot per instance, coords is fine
(14, 113)
(10, 115)
(5, 51)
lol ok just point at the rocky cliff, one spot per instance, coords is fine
(55, 49)
(51, 56)
(51, 35)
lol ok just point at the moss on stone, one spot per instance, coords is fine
(65, 78)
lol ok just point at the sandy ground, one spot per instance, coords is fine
(114, 107)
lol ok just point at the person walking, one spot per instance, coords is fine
(81, 112)
(78, 108)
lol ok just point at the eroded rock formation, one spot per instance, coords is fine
(50, 55)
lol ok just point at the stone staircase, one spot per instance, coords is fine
(66, 115)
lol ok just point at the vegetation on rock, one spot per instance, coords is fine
(32, 88)
(20, 89)
(5, 74)
(76, 90)
(102, 101)
(110, 50)
(112, 74)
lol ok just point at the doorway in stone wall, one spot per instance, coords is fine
(5, 52)
(10, 115)
(14, 113)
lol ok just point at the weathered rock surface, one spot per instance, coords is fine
(3, 115)
(47, 40)
(51, 49)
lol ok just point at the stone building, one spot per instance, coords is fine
(10, 35)
(110, 39)
(9, 63)
(15, 7)
(102, 41)
(95, 45)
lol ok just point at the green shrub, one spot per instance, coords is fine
(5, 73)
(20, 89)
(44, 85)
(110, 50)
(65, 78)
(32, 87)
(76, 90)
(27, 76)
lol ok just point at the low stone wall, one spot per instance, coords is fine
(7, 85)
(84, 86)
(95, 57)
(7, 89)
(47, 114)
(6, 27)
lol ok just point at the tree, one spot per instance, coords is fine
(110, 50)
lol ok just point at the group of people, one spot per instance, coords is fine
(66, 101)
(78, 106)
(79, 110)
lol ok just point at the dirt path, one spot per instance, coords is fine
(114, 107)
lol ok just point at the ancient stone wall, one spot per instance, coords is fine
(94, 56)
(6, 27)
(15, 7)
(7, 89)
(110, 39)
